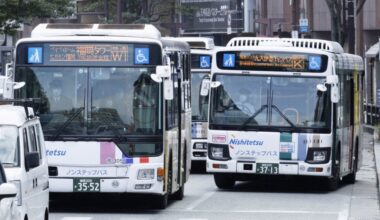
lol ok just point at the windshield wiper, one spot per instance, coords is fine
(283, 115)
(67, 122)
(252, 117)
(262, 109)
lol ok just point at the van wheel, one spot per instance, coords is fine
(224, 181)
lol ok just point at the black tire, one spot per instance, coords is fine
(162, 201)
(351, 178)
(181, 191)
(179, 194)
(224, 181)
(46, 215)
(332, 183)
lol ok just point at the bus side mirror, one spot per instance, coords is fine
(161, 72)
(205, 87)
(168, 89)
(333, 80)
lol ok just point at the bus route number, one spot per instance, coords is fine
(267, 168)
(86, 185)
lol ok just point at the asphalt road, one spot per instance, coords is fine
(265, 198)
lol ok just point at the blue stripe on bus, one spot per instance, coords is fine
(302, 146)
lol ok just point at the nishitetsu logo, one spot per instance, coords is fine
(234, 142)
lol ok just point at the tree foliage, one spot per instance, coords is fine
(133, 11)
(15, 12)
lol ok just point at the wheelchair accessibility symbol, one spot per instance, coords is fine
(141, 55)
(205, 61)
(315, 63)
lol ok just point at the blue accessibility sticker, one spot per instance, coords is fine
(228, 60)
(142, 55)
(205, 61)
(315, 63)
(35, 55)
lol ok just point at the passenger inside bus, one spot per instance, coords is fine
(244, 103)
(58, 101)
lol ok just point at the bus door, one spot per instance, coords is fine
(173, 116)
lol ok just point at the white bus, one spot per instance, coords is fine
(201, 57)
(284, 107)
(116, 108)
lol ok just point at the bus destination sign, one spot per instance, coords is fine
(269, 61)
(88, 53)
(91, 54)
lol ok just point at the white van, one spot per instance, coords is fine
(7, 193)
(22, 153)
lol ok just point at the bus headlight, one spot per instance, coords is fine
(218, 152)
(145, 174)
(318, 155)
(18, 198)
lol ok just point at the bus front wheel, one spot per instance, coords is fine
(223, 181)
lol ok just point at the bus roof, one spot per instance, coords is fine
(204, 43)
(117, 30)
(172, 43)
(324, 45)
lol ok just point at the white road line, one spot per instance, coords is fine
(76, 218)
(261, 211)
(193, 219)
(343, 215)
(199, 201)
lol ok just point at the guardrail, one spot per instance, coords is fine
(371, 114)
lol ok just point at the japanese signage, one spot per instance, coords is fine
(73, 54)
(267, 61)
(88, 53)
(211, 16)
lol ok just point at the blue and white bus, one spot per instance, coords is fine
(115, 109)
(284, 107)
(201, 57)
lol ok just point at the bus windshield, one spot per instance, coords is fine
(284, 103)
(93, 101)
(199, 104)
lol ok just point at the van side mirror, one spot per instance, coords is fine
(7, 190)
(32, 160)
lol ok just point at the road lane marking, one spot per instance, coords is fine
(199, 201)
(76, 218)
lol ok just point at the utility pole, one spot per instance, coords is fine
(351, 25)
(120, 4)
(295, 14)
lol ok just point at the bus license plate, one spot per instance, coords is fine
(86, 185)
(267, 168)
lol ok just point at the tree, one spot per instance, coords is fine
(342, 22)
(15, 12)
(162, 13)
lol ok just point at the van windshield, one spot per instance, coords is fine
(9, 146)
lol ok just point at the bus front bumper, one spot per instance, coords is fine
(282, 168)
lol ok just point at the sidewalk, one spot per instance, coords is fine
(365, 193)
